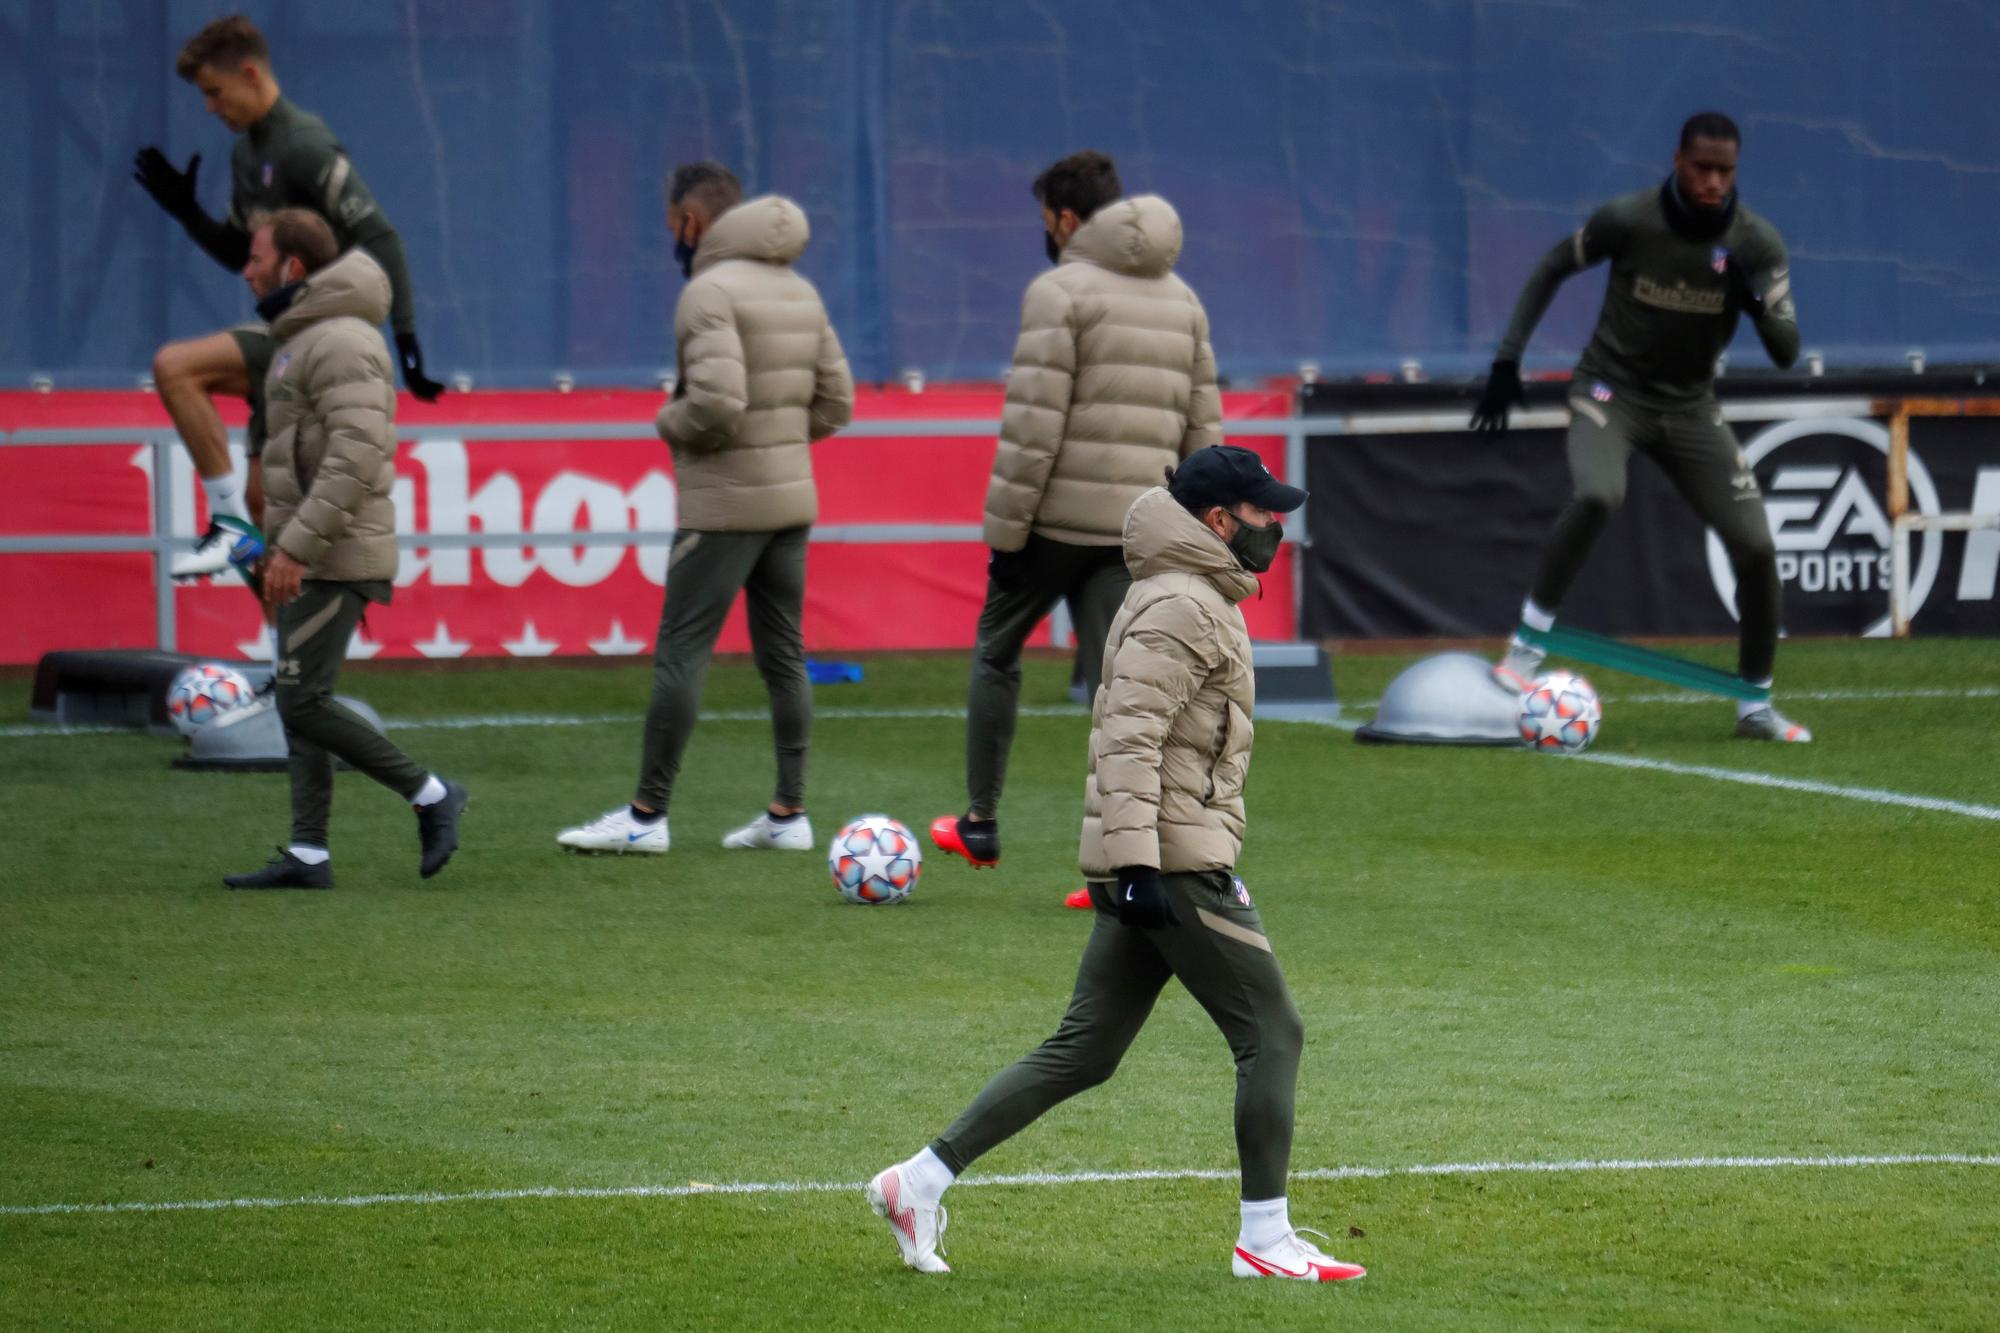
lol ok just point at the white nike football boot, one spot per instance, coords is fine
(1768, 724)
(228, 541)
(1295, 1258)
(767, 834)
(1523, 662)
(918, 1227)
(616, 831)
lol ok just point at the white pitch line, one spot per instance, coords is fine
(695, 1188)
(1750, 778)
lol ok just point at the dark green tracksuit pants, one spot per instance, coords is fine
(1222, 955)
(704, 574)
(313, 632)
(1022, 587)
(1699, 454)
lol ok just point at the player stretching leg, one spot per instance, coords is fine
(285, 158)
(1686, 260)
(1162, 827)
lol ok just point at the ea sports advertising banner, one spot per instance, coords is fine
(1440, 532)
(896, 561)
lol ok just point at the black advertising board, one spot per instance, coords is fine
(1438, 531)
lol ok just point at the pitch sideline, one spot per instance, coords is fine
(1031, 1178)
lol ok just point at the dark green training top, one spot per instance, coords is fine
(1669, 307)
(290, 159)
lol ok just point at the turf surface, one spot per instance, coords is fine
(1500, 957)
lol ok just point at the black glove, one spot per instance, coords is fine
(1503, 394)
(1738, 279)
(171, 190)
(1008, 570)
(1141, 900)
(412, 357)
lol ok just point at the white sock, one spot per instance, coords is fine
(1535, 618)
(926, 1176)
(225, 497)
(1265, 1223)
(1745, 707)
(431, 793)
(311, 855)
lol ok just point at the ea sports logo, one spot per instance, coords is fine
(1820, 478)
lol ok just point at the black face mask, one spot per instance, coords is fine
(279, 301)
(1050, 248)
(1256, 548)
(1692, 222)
(684, 255)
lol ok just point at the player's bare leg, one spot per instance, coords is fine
(188, 375)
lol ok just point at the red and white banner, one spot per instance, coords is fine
(545, 476)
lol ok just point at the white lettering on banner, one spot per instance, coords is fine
(1831, 534)
(1982, 548)
(567, 502)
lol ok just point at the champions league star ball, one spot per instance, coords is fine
(1560, 713)
(874, 859)
(204, 694)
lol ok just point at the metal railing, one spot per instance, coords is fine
(163, 543)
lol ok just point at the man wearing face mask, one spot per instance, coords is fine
(1163, 823)
(1687, 259)
(330, 523)
(761, 377)
(1113, 380)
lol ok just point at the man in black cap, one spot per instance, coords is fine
(1162, 826)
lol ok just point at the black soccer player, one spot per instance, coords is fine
(285, 158)
(1687, 260)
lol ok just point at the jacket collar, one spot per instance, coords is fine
(1163, 538)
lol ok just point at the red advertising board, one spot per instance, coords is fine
(873, 584)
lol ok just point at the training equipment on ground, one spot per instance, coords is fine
(1605, 651)
(207, 694)
(1560, 713)
(874, 860)
(1449, 699)
(615, 831)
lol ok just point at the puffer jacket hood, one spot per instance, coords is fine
(353, 285)
(1113, 382)
(1170, 731)
(1162, 537)
(330, 413)
(762, 376)
(769, 229)
(1140, 236)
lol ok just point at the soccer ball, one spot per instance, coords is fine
(874, 859)
(1560, 713)
(204, 694)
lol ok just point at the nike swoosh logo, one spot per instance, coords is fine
(634, 837)
(1268, 1267)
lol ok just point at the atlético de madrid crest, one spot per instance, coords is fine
(1719, 261)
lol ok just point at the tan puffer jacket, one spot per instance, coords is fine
(1113, 382)
(761, 376)
(1170, 727)
(330, 417)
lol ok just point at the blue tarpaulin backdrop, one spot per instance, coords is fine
(1361, 182)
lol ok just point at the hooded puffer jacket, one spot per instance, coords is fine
(1113, 382)
(330, 419)
(762, 375)
(1170, 728)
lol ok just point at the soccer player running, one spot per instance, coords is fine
(286, 158)
(1113, 381)
(1687, 259)
(330, 512)
(761, 377)
(1163, 822)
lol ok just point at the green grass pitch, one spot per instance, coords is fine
(1501, 957)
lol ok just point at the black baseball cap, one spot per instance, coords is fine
(1226, 475)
